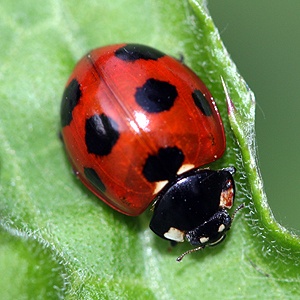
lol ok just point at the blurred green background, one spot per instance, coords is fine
(263, 39)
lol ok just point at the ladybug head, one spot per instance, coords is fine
(210, 233)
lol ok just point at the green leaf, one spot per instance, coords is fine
(57, 239)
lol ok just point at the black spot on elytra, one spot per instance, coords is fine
(132, 52)
(94, 179)
(70, 99)
(164, 165)
(202, 103)
(101, 134)
(156, 96)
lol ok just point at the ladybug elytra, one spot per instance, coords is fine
(137, 126)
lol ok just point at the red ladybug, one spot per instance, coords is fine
(137, 125)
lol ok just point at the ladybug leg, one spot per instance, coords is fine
(173, 243)
(75, 172)
(181, 58)
(59, 134)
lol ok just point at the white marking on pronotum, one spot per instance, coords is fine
(226, 198)
(175, 234)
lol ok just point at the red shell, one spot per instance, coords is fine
(107, 85)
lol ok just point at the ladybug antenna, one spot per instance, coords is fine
(179, 258)
(241, 206)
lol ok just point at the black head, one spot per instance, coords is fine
(211, 232)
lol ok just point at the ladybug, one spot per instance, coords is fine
(137, 125)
